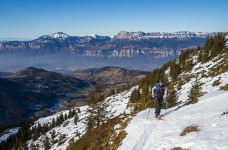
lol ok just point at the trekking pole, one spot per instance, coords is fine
(148, 114)
(165, 107)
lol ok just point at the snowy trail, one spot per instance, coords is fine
(150, 134)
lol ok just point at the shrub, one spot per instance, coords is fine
(225, 87)
(103, 136)
(61, 139)
(225, 113)
(216, 82)
(188, 129)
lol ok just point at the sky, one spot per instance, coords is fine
(29, 19)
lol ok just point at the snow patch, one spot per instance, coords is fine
(8, 133)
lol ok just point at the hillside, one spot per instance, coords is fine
(33, 91)
(3, 74)
(202, 84)
(40, 79)
(199, 76)
(68, 132)
(110, 77)
(145, 134)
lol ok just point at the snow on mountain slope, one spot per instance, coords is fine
(58, 35)
(117, 105)
(203, 70)
(8, 133)
(147, 134)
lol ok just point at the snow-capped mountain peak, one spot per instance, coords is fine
(58, 35)
(91, 35)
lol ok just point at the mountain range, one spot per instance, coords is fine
(63, 53)
(124, 44)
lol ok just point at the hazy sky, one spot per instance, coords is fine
(33, 18)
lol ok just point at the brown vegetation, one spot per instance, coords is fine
(225, 87)
(178, 148)
(188, 129)
(104, 136)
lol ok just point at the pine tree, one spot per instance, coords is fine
(60, 119)
(97, 110)
(53, 134)
(3, 145)
(32, 146)
(74, 112)
(61, 139)
(198, 47)
(188, 66)
(36, 132)
(79, 110)
(65, 116)
(174, 70)
(135, 96)
(172, 98)
(218, 45)
(70, 114)
(25, 146)
(205, 57)
(182, 58)
(76, 119)
(53, 123)
(145, 90)
(22, 134)
(206, 49)
(44, 129)
(39, 128)
(195, 91)
(46, 143)
(112, 92)
(199, 59)
(16, 144)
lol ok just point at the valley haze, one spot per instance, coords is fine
(132, 50)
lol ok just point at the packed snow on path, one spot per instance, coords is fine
(151, 134)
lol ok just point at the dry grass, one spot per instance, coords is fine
(125, 123)
(225, 87)
(103, 137)
(225, 113)
(188, 129)
(178, 148)
(216, 82)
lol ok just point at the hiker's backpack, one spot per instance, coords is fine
(157, 86)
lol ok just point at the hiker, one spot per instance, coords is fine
(158, 92)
